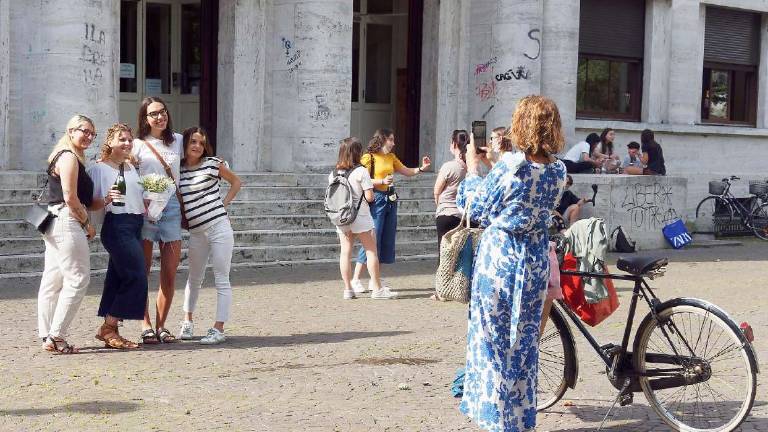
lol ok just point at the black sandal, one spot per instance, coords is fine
(149, 337)
(164, 336)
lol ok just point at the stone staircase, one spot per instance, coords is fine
(278, 220)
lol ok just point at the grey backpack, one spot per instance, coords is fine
(339, 199)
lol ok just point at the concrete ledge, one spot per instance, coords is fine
(642, 205)
(672, 129)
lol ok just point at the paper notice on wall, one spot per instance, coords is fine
(153, 86)
(127, 70)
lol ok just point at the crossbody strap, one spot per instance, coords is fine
(169, 172)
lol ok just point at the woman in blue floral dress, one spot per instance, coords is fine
(513, 203)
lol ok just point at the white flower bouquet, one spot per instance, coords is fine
(157, 190)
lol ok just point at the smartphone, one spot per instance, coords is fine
(478, 131)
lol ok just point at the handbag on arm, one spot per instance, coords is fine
(38, 215)
(453, 280)
(169, 173)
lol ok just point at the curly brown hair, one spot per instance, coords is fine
(350, 152)
(113, 133)
(379, 138)
(536, 126)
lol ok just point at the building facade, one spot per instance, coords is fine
(281, 81)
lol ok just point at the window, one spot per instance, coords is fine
(611, 44)
(729, 84)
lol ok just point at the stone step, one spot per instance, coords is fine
(21, 179)
(16, 211)
(25, 263)
(245, 234)
(6, 279)
(20, 228)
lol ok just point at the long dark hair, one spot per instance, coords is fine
(350, 152)
(592, 140)
(460, 138)
(144, 127)
(646, 137)
(207, 149)
(606, 147)
(379, 138)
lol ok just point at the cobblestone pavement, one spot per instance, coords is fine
(298, 357)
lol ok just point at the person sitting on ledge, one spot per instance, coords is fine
(577, 159)
(653, 156)
(569, 207)
(633, 164)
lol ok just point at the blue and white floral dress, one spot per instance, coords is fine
(509, 284)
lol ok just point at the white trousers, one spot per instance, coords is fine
(215, 244)
(66, 275)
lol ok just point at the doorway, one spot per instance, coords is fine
(381, 80)
(162, 54)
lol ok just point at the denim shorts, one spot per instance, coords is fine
(168, 228)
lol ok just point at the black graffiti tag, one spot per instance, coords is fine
(538, 43)
(518, 73)
(649, 205)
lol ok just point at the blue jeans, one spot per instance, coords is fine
(384, 213)
(125, 286)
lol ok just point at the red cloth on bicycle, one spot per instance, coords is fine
(573, 295)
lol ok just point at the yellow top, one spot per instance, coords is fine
(383, 165)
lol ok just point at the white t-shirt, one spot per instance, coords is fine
(359, 180)
(104, 177)
(199, 187)
(148, 163)
(574, 153)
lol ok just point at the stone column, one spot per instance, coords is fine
(762, 85)
(687, 61)
(506, 55)
(64, 62)
(310, 58)
(4, 80)
(656, 61)
(241, 80)
(560, 60)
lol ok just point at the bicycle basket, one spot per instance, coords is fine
(716, 187)
(758, 187)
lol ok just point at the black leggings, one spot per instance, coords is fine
(445, 224)
(582, 167)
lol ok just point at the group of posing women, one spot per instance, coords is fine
(514, 203)
(76, 192)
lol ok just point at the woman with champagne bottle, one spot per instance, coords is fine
(382, 163)
(117, 190)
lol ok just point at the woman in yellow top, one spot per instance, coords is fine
(382, 164)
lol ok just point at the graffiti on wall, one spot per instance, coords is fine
(649, 205)
(93, 57)
(531, 36)
(292, 56)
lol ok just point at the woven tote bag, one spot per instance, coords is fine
(453, 280)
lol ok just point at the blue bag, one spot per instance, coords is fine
(676, 234)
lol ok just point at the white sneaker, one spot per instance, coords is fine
(187, 330)
(384, 284)
(349, 295)
(384, 294)
(213, 337)
(358, 287)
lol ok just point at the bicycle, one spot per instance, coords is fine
(668, 361)
(722, 204)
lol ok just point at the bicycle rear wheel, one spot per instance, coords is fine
(697, 352)
(706, 211)
(555, 355)
(759, 220)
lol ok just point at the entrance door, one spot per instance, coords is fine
(379, 42)
(161, 55)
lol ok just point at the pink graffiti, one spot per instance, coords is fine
(486, 90)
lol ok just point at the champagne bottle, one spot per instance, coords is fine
(120, 187)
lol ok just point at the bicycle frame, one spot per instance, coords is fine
(734, 204)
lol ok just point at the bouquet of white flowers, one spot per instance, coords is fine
(158, 190)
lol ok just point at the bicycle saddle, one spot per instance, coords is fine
(640, 265)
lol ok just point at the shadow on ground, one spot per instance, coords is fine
(90, 407)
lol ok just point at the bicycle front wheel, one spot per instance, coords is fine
(759, 219)
(696, 369)
(706, 211)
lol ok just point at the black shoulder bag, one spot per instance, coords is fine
(38, 215)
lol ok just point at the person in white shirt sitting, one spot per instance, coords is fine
(578, 159)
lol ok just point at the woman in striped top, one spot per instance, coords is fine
(210, 232)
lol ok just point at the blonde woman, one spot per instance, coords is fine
(67, 271)
(125, 285)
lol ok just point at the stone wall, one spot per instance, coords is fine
(64, 61)
(641, 205)
(4, 80)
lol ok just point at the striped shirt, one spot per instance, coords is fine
(199, 188)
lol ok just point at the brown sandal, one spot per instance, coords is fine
(112, 339)
(60, 346)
